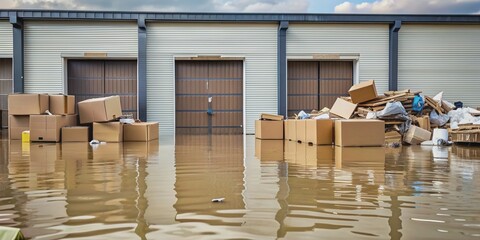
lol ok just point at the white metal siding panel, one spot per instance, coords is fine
(6, 39)
(368, 40)
(256, 42)
(45, 41)
(434, 58)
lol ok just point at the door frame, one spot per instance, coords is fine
(209, 57)
(354, 58)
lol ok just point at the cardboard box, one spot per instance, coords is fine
(343, 108)
(62, 104)
(360, 157)
(16, 125)
(269, 150)
(74, 134)
(99, 109)
(273, 117)
(301, 154)
(47, 128)
(44, 158)
(269, 129)
(424, 122)
(292, 133)
(319, 132)
(140, 132)
(27, 104)
(108, 132)
(363, 92)
(301, 130)
(393, 137)
(359, 133)
(416, 135)
(286, 124)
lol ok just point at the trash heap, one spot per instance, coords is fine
(53, 118)
(408, 117)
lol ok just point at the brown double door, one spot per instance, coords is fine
(102, 78)
(315, 85)
(6, 88)
(209, 97)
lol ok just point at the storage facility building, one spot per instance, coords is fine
(216, 72)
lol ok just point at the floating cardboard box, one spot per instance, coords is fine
(74, 134)
(343, 108)
(292, 131)
(99, 109)
(266, 129)
(319, 132)
(416, 135)
(44, 157)
(286, 129)
(140, 132)
(269, 150)
(27, 104)
(16, 125)
(363, 92)
(47, 128)
(301, 130)
(266, 116)
(108, 132)
(62, 104)
(359, 133)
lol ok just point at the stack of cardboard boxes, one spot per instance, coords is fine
(52, 118)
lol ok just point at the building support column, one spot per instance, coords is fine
(142, 69)
(282, 68)
(18, 53)
(393, 56)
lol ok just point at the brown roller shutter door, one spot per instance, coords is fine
(101, 78)
(6, 81)
(315, 85)
(197, 82)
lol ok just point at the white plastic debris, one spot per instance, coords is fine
(322, 116)
(94, 142)
(48, 112)
(437, 119)
(438, 98)
(127, 120)
(440, 136)
(218, 199)
(303, 115)
(371, 115)
(392, 108)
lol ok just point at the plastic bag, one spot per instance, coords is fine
(322, 116)
(392, 108)
(418, 103)
(303, 115)
(438, 120)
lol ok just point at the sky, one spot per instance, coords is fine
(265, 6)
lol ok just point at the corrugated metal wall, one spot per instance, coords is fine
(256, 42)
(368, 40)
(6, 39)
(435, 58)
(6, 87)
(46, 41)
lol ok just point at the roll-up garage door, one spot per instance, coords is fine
(5, 88)
(209, 97)
(315, 85)
(101, 78)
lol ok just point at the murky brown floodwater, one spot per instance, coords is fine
(162, 190)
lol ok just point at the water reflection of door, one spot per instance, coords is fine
(209, 97)
(207, 167)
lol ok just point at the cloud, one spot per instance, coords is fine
(411, 6)
(165, 5)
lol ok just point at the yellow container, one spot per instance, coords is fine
(26, 136)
